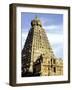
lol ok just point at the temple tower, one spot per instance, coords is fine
(37, 54)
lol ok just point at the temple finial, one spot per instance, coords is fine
(36, 17)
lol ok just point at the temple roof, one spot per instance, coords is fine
(36, 22)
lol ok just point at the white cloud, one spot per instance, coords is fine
(58, 50)
(55, 38)
(52, 27)
(24, 36)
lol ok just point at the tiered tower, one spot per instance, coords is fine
(38, 58)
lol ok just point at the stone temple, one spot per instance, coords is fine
(38, 58)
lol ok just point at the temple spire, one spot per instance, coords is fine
(36, 22)
(36, 17)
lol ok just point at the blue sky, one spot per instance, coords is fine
(52, 23)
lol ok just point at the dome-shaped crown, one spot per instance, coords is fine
(36, 22)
